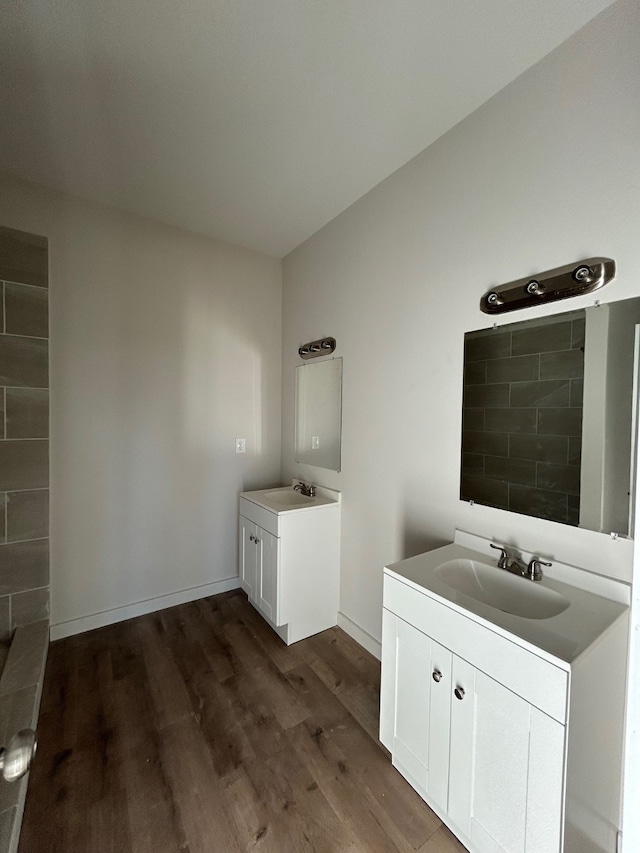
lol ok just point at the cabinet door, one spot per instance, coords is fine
(247, 557)
(268, 574)
(415, 706)
(506, 766)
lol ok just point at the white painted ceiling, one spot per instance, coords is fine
(254, 121)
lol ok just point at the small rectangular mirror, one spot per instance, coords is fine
(549, 416)
(318, 414)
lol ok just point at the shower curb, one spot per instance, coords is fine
(20, 693)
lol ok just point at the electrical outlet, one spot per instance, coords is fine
(241, 445)
(315, 442)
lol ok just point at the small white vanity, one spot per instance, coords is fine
(289, 556)
(509, 726)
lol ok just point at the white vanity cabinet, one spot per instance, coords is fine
(498, 737)
(484, 756)
(289, 562)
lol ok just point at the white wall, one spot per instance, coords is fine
(165, 346)
(545, 173)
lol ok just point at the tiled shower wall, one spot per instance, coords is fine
(24, 430)
(522, 419)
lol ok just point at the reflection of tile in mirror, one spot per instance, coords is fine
(546, 394)
(517, 369)
(512, 376)
(549, 338)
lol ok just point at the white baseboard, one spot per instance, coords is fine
(360, 635)
(140, 608)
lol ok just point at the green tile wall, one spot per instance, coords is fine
(522, 419)
(24, 430)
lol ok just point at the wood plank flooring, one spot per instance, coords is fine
(197, 730)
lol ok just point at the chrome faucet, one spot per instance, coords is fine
(305, 489)
(532, 572)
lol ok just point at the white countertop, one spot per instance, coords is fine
(563, 637)
(264, 498)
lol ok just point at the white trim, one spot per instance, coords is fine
(360, 635)
(140, 608)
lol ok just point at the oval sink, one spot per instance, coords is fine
(501, 589)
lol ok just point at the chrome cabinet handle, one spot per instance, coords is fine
(256, 540)
(436, 675)
(251, 538)
(459, 693)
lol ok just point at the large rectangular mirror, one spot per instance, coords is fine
(318, 400)
(549, 416)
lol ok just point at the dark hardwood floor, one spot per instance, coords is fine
(197, 730)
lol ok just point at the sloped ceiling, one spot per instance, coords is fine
(254, 121)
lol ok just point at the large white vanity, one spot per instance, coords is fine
(289, 555)
(502, 699)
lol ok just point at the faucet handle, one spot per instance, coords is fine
(534, 572)
(503, 559)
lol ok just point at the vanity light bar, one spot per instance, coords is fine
(324, 346)
(560, 283)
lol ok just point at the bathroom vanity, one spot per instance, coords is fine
(509, 726)
(289, 558)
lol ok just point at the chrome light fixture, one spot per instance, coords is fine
(314, 349)
(560, 283)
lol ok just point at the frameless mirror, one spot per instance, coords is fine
(548, 416)
(318, 400)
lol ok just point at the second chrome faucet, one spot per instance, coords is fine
(307, 489)
(532, 571)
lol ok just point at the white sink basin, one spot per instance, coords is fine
(286, 498)
(501, 589)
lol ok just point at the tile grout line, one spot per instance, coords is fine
(29, 589)
(27, 387)
(34, 489)
(24, 284)
(22, 541)
(28, 438)
(28, 337)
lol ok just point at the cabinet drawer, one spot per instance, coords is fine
(534, 679)
(259, 515)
